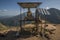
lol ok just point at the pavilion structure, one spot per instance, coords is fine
(29, 17)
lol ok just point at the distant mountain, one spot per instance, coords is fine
(12, 21)
(54, 17)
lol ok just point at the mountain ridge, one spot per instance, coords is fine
(13, 21)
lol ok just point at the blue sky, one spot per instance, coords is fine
(11, 8)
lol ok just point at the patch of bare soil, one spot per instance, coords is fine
(57, 32)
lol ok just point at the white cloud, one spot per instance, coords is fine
(9, 12)
(0, 10)
(47, 7)
(17, 12)
(5, 10)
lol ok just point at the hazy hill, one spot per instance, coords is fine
(2, 27)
